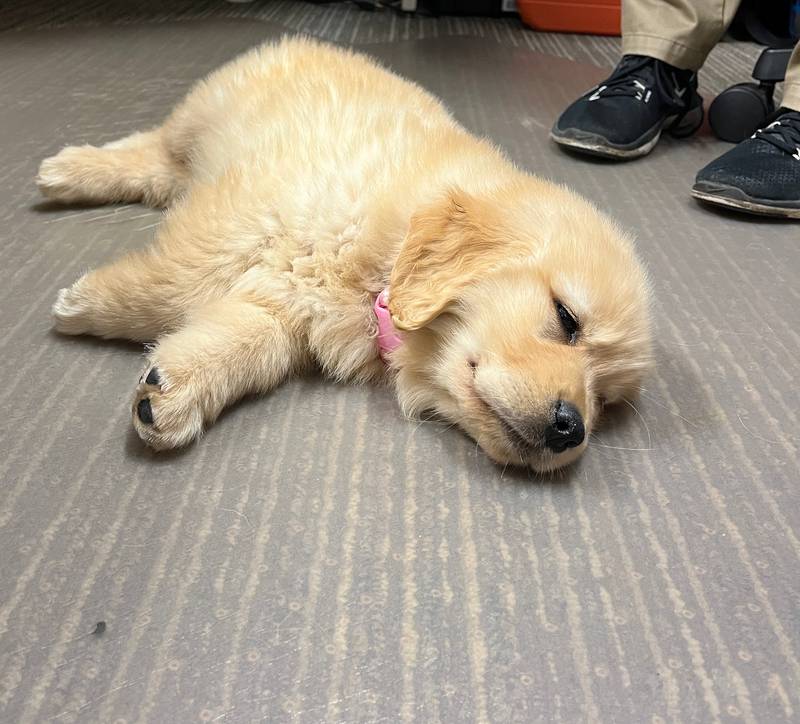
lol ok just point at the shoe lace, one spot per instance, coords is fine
(783, 133)
(638, 76)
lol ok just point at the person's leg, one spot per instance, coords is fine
(791, 86)
(679, 32)
(654, 87)
(761, 175)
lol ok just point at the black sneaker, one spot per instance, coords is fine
(760, 175)
(623, 116)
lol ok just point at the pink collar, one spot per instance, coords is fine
(388, 338)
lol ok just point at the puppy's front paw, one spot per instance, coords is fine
(165, 415)
(71, 310)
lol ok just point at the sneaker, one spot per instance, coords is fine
(761, 175)
(623, 116)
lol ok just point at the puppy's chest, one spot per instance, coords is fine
(323, 257)
(326, 268)
(328, 290)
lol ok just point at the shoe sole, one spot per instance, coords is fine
(595, 145)
(733, 198)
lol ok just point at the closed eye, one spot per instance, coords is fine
(568, 322)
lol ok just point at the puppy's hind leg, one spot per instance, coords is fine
(138, 168)
(138, 297)
(202, 248)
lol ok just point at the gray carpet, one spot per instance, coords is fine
(317, 558)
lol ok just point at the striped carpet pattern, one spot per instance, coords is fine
(316, 558)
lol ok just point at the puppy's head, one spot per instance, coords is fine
(524, 309)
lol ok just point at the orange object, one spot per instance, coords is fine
(599, 17)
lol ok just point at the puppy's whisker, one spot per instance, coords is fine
(596, 444)
(435, 420)
(644, 422)
(758, 437)
(652, 399)
(629, 449)
(420, 422)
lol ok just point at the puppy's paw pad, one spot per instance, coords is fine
(144, 411)
(152, 378)
(165, 416)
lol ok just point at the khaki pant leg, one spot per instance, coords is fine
(791, 89)
(679, 32)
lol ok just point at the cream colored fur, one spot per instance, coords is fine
(301, 180)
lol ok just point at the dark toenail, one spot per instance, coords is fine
(144, 411)
(153, 378)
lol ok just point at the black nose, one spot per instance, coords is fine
(565, 428)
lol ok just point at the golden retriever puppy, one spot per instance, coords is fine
(304, 183)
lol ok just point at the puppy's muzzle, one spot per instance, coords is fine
(560, 430)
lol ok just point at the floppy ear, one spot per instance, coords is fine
(448, 245)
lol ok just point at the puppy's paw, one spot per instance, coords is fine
(165, 415)
(71, 310)
(63, 177)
